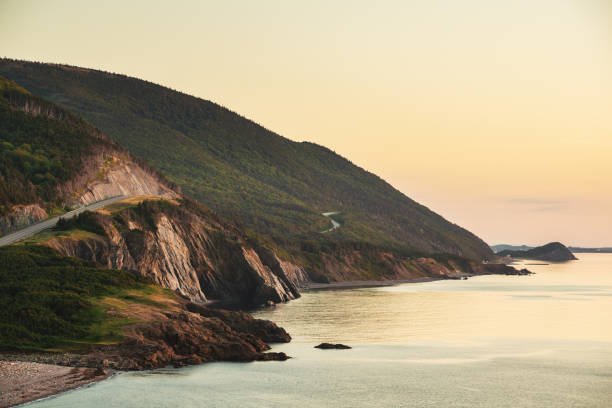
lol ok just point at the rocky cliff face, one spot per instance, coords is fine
(114, 174)
(106, 173)
(21, 216)
(187, 249)
(378, 264)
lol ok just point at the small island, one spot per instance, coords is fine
(552, 252)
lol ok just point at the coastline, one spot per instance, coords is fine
(374, 283)
(364, 284)
(27, 377)
(26, 381)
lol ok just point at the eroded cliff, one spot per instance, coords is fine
(370, 263)
(184, 247)
(21, 216)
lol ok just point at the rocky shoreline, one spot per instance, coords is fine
(185, 334)
(492, 269)
(188, 335)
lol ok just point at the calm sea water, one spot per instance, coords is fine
(494, 341)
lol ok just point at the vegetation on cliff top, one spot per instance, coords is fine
(275, 186)
(52, 301)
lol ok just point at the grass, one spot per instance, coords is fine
(52, 302)
(129, 202)
(48, 235)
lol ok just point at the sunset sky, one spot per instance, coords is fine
(497, 114)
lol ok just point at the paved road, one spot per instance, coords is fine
(50, 223)
(335, 224)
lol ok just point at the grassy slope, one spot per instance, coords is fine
(48, 301)
(275, 186)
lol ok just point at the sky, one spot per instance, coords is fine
(496, 114)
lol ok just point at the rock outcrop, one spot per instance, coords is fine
(120, 176)
(331, 346)
(372, 263)
(187, 338)
(552, 252)
(186, 248)
(20, 217)
(186, 334)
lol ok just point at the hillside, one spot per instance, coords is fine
(161, 234)
(52, 161)
(553, 252)
(275, 186)
(126, 304)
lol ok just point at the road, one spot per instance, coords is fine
(335, 224)
(51, 222)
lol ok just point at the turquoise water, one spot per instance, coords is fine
(493, 341)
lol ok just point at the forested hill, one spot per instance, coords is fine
(275, 186)
(41, 147)
(553, 252)
(52, 160)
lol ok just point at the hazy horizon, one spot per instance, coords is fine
(495, 115)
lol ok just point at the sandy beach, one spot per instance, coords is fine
(22, 382)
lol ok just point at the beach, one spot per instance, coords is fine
(22, 381)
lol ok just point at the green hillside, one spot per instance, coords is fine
(273, 185)
(48, 300)
(41, 146)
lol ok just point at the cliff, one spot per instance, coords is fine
(53, 161)
(184, 247)
(362, 263)
(60, 162)
(94, 317)
(21, 216)
(187, 248)
(552, 252)
(115, 174)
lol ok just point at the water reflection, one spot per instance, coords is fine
(491, 341)
(561, 301)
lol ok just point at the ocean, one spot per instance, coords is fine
(543, 340)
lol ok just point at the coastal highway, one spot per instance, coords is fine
(335, 224)
(51, 222)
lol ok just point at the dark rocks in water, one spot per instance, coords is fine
(242, 322)
(329, 346)
(271, 356)
(553, 252)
